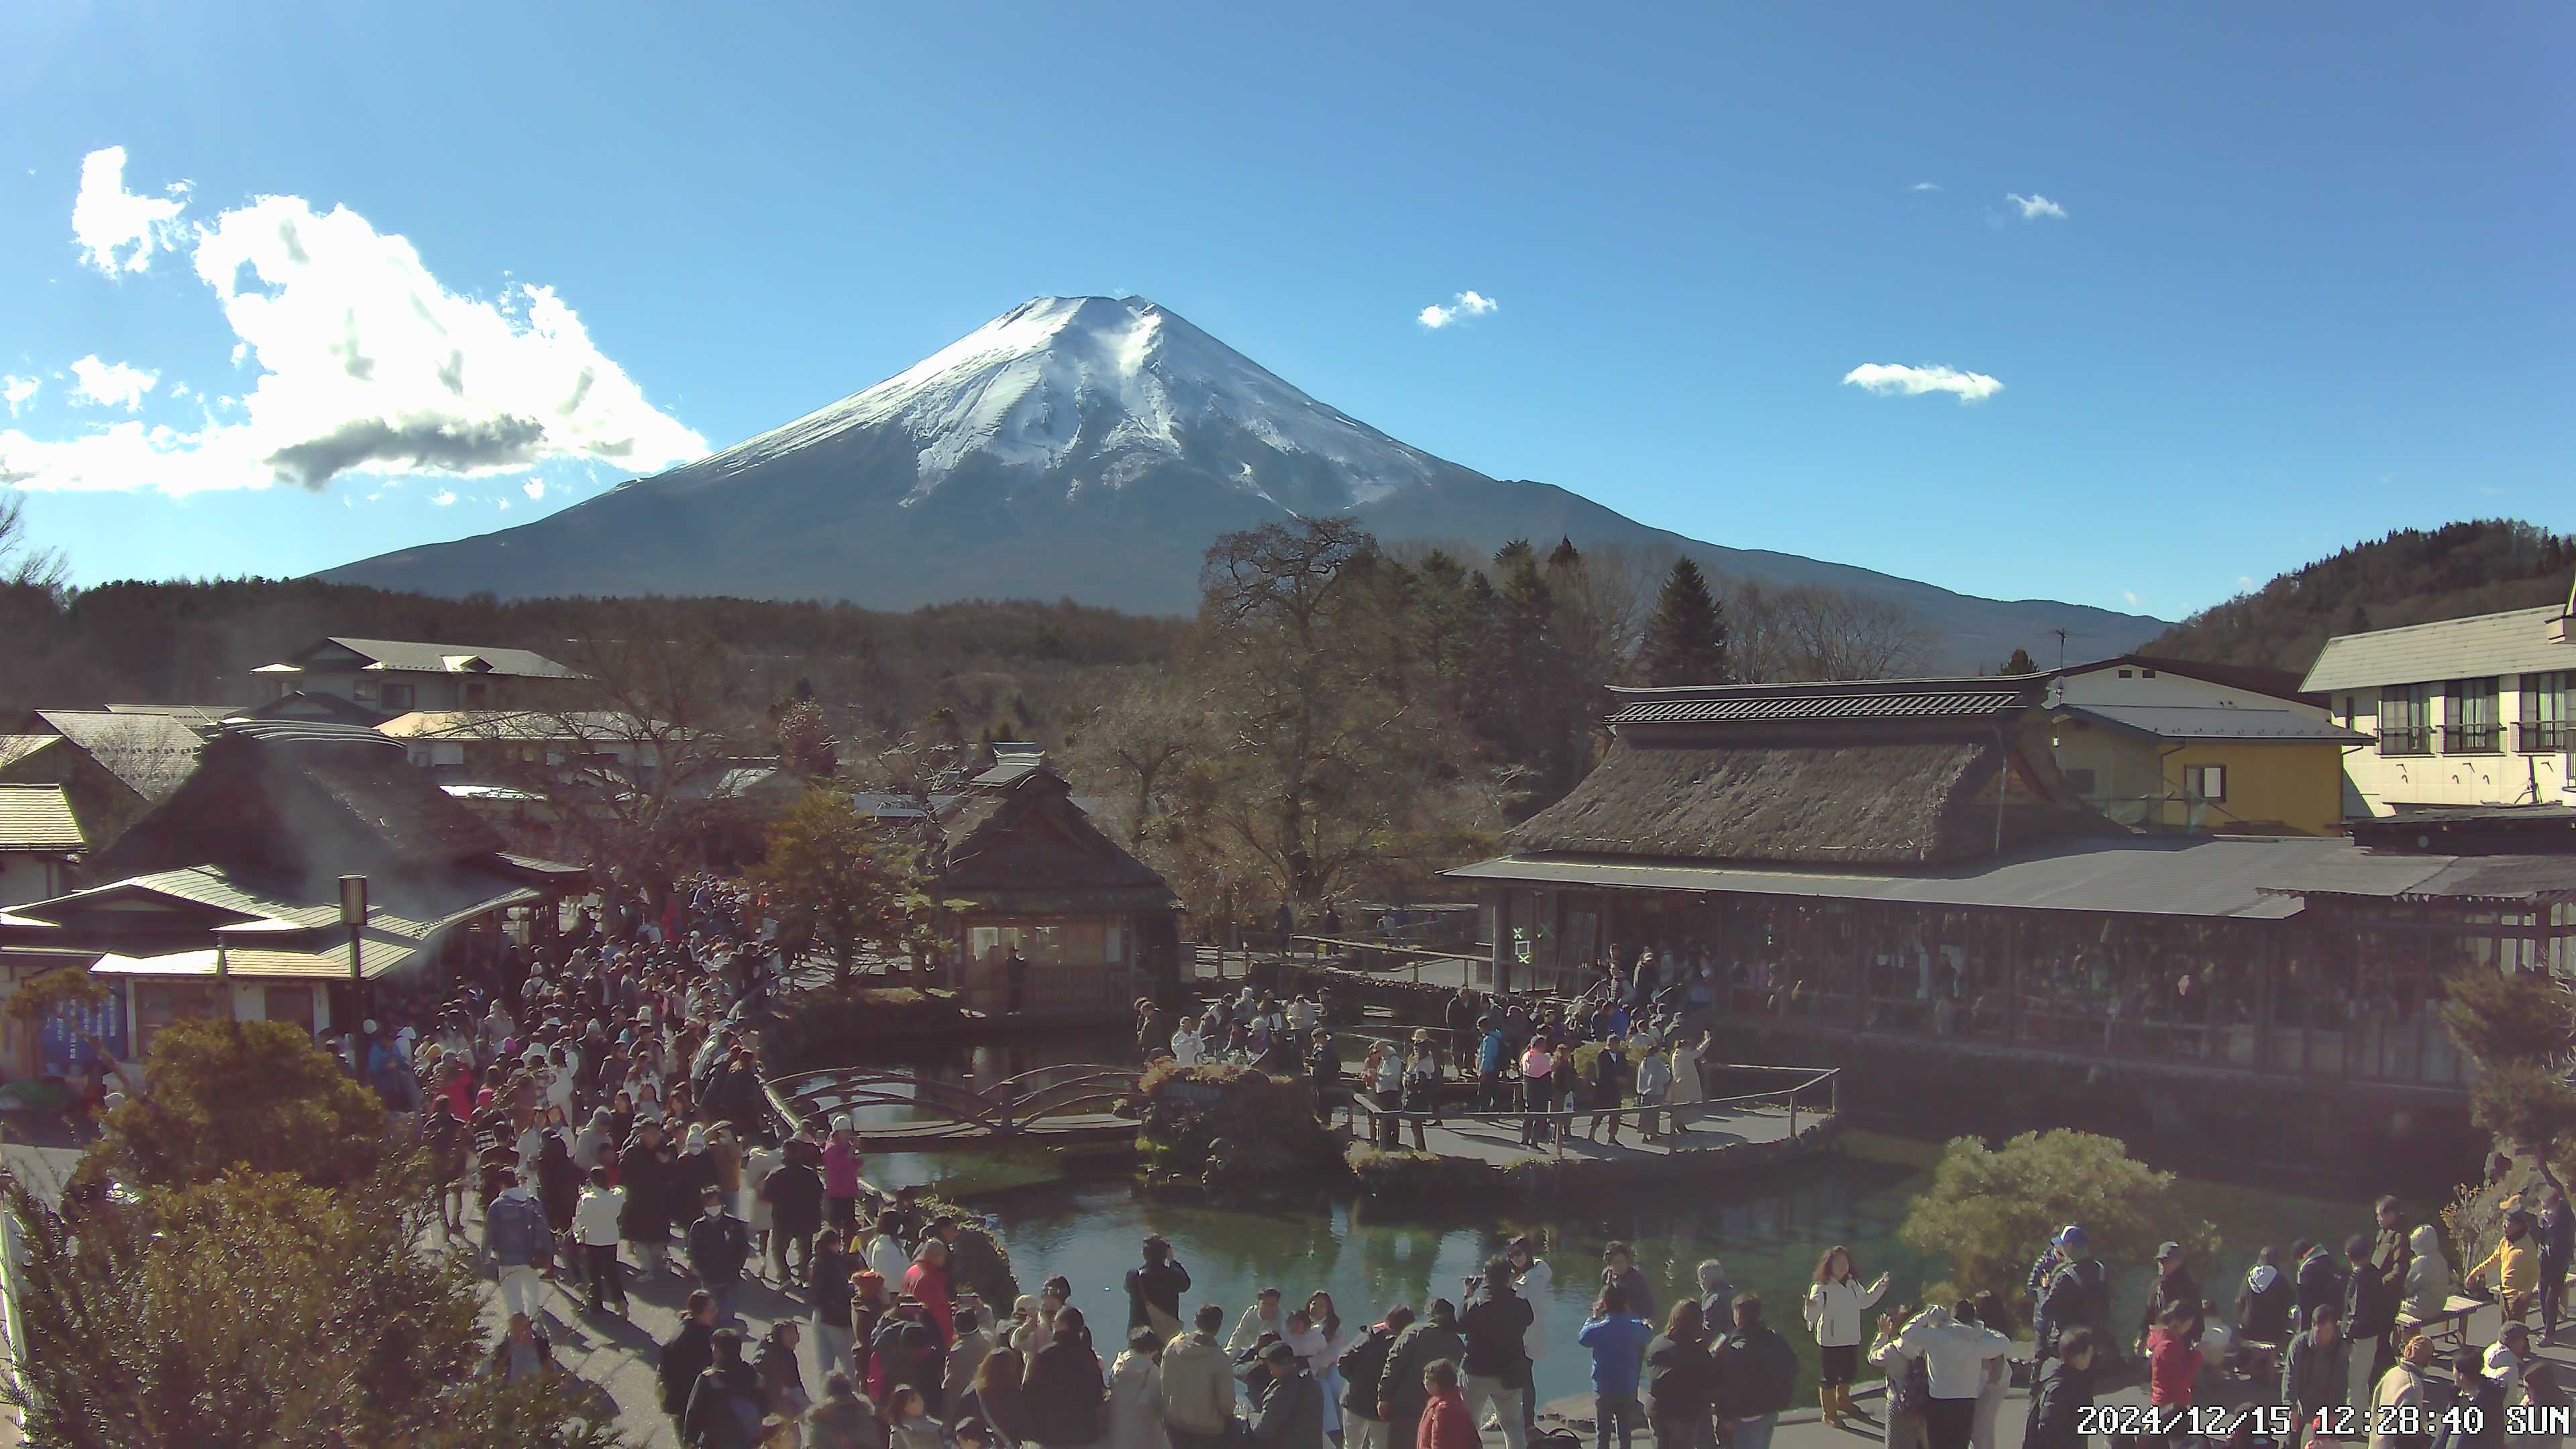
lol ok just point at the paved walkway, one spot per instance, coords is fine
(1804, 1428)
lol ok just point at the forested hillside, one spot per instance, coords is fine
(1004, 667)
(2412, 576)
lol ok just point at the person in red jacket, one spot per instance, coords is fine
(2173, 1362)
(928, 1281)
(1446, 1424)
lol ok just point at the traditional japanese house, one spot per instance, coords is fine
(227, 897)
(1028, 871)
(1893, 876)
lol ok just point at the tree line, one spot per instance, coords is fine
(2409, 576)
(1346, 719)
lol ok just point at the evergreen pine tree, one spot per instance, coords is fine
(2020, 662)
(1686, 639)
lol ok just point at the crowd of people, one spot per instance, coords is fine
(1626, 1064)
(600, 1098)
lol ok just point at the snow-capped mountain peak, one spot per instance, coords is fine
(1093, 392)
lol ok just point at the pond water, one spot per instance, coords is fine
(1768, 1230)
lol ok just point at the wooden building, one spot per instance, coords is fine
(226, 897)
(114, 765)
(1096, 927)
(1872, 873)
(392, 677)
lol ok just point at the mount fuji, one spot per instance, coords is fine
(1091, 448)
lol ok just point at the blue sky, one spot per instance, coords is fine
(2301, 274)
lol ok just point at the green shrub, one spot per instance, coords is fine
(1235, 1130)
(1990, 1211)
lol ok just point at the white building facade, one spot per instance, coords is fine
(2466, 712)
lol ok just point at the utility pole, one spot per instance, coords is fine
(2061, 647)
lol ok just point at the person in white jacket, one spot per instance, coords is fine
(1955, 1352)
(2428, 1276)
(1837, 1314)
(1535, 1281)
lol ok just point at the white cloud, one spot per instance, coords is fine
(535, 488)
(2035, 207)
(443, 498)
(110, 384)
(19, 391)
(1468, 304)
(504, 503)
(2131, 597)
(1890, 380)
(2245, 583)
(1925, 186)
(117, 230)
(363, 362)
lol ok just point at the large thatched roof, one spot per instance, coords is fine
(1878, 802)
(300, 801)
(1847, 772)
(1029, 836)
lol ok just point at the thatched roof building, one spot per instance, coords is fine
(1904, 861)
(226, 896)
(1904, 772)
(1091, 926)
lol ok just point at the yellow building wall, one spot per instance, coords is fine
(2292, 784)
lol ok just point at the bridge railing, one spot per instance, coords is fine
(1791, 1100)
(1010, 1107)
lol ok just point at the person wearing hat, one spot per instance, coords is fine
(2174, 1289)
(1154, 1290)
(1291, 1406)
(842, 1162)
(2077, 1293)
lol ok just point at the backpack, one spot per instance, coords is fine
(2085, 1288)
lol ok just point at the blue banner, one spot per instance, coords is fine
(68, 1031)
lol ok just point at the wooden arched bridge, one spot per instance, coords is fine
(1073, 1102)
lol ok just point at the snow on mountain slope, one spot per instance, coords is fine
(1097, 391)
(1092, 448)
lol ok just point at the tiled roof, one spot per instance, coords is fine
(1893, 704)
(2122, 875)
(2514, 642)
(38, 818)
(405, 917)
(515, 725)
(199, 717)
(14, 748)
(152, 754)
(2211, 722)
(417, 657)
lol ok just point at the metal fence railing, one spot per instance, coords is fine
(1558, 1124)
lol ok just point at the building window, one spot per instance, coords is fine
(2205, 782)
(2403, 726)
(2080, 781)
(2469, 723)
(2128, 674)
(396, 698)
(2146, 674)
(2545, 700)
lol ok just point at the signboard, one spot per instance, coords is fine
(66, 1034)
(1201, 1095)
